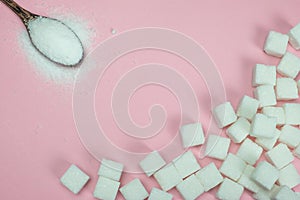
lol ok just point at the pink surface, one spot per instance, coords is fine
(38, 134)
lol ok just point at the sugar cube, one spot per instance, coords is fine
(289, 176)
(285, 193)
(268, 143)
(294, 36)
(276, 44)
(286, 89)
(159, 194)
(186, 164)
(289, 65)
(134, 190)
(266, 95)
(264, 194)
(230, 190)
(297, 151)
(190, 188)
(224, 114)
(247, 107)
(217, 147)
(290, 136)
(110, 169)
(263, 126)
(264, 75)
(239, 130)
(276, 112)
(233, 167)
(168, 177)
(246, 181)
(151, 163)
(249, 151)
(292, 111)
(209, 176)
(280, 156)
(74, 179)
(192, 135)
(265, 175)
(106, 189)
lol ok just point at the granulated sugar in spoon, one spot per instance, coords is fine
(50, 37)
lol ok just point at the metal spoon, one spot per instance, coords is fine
(28, 17)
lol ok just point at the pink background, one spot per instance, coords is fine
(38, 134)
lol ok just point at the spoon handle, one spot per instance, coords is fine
(24, 14)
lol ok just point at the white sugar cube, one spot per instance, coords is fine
(292, 111)
(230, 190)
(265, 175)
(285, 193)
(276, 112)
(224, 114)
(268, 143)
(290, 136)
(159, 194)
(286, 89)
(263, 126)
(266, 95)
(233, 167)
(264, 194)
(74, 179)
(239, 130)
(246, 181)
(294, 36)
(106, 189)
(289, 176)
(209, 176)
(297, 151)
(111, 169)
(247, 107)
(289, 65)
(192, 135)
(217, 147)
(276, 44)
(249, 151)
(134, 190)
(152, 162)
(190, 188)
(186, 164)
(264, 75)
(280, 156)
(167, 177)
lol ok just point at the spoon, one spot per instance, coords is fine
(51, 37)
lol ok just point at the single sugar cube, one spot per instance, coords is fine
(264, 75)
(285, 193)
(233, 167)
(224, 114)
(286, 89)
(159, 194)
(297, 152)
(294, 36)
(292, 111)
(276, 44)
(209, 176)
(247, 107)
(134, 190)
(264, 194)
(268, 143)
(230, 190)
(289, 65)
(290, 136)
(106, 188)
(266, 95)
(152, 163)
(186, 164)
(249, 151)
(190, 188)
(276, 112)
(217, 147)
(263, 126)
(192, 135)
(239, 130)
(280, 156)
(111, 169)
(265, 175)
(74, 179)
(246, 181)
(289, 176)
(168, 177)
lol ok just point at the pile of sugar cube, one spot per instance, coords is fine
(258, 124)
